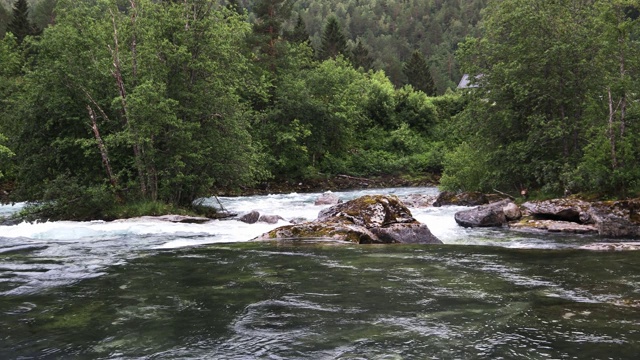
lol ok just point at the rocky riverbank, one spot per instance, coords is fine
(610, 219)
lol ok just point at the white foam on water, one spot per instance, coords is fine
(80, 249)
(9, 209)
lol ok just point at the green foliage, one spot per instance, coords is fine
(4, 20)
(360, 56)
(42, 13)
(142, 208)
(20, 25)
(555, 104)
(416, 109)
(392, 29)
(466, 169)
(166, 100)
(418, 74)
(334, 42)
(66, 198)
(299, 33)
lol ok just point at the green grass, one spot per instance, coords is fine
(147, 208)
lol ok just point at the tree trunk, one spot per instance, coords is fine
(102, 147)
(611, 131)
(117, 74)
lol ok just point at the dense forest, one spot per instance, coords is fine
(118, 101)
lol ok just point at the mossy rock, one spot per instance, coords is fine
(371, 219)
(369, 211)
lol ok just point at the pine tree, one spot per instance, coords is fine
(270, 16)
(299, 34)
(4, 19)
(267, 29)
(334, 42)
(20, 25)
(360, 57)
(418, 74)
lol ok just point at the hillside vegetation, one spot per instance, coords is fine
(124, 101)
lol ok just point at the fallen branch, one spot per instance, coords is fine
(504, 194)
(353, 178)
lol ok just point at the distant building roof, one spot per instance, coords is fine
(465, 82)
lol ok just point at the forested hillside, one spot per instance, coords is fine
(120, 101)
(391, 30)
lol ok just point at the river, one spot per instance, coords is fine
(143, 289)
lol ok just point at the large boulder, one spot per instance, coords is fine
(573, 210)
(617, 219)
(461, 199)
(250, 217)
(490, 215)
(371, 219)
(512, 211)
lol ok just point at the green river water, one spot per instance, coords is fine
(323, 301)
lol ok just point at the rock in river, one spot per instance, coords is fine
(370, 219)
(484, 216)
(327, 198)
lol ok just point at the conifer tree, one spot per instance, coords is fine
(20, 25)
(299, 34)
(4, 19)
(334, 41)
(270, 16)
(267, 29)
(418, 74)
(360, 56)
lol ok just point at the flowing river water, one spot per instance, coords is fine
(144, 289)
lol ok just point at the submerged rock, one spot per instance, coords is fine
(327, 198)
(371, 219)
(172, 218)
(618, 246)
(419, 200)
(270, 219)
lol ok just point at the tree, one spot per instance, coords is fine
(10, 86)
(270, 18)
(610, 159)
(4, 20)
(20, 25)
(334, 42)
(43, 14)
(418, 74)
(142, 98)
(299, 33)
(360, 56)
(236, 6)
(537, 64)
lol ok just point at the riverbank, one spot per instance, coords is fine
(333, 183)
